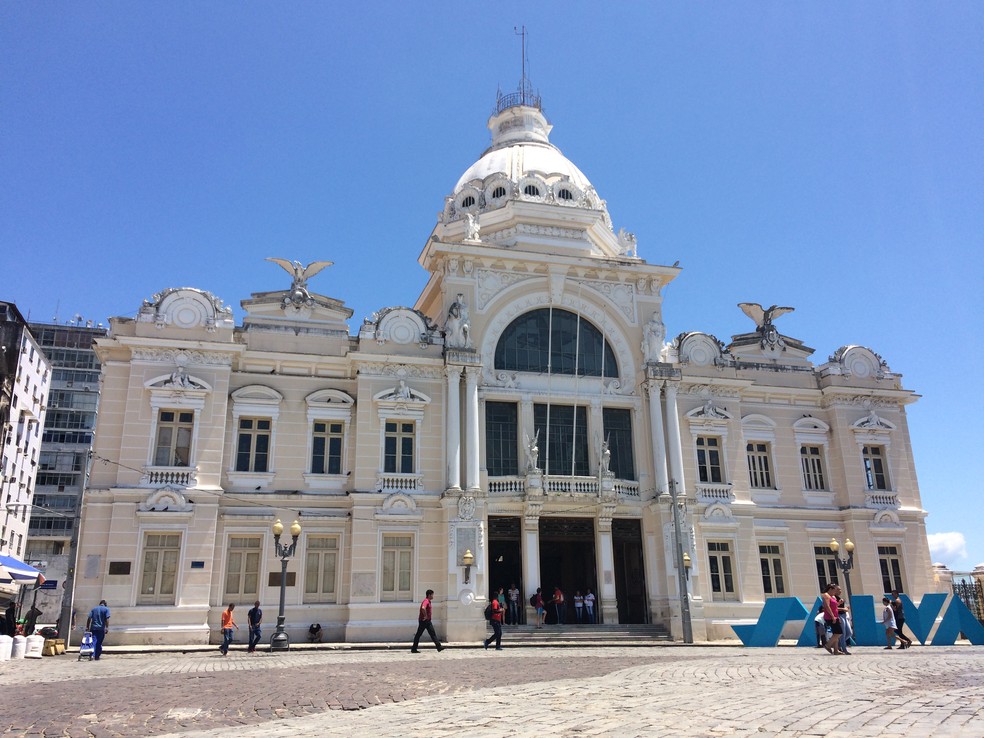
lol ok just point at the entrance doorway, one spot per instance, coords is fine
(567, 560)
(630, 572)
(506, 558)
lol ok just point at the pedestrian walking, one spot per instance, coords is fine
(253, 619)
(899, 612)
(228, 624)
(831, 619)
(495, 617)
(98, 624)
(888, 622)
(513, 615)
(424, 623)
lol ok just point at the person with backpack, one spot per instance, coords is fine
(493, 613)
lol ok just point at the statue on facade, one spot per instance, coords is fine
(763, 318)
(301, 274)
(653, 336)
(605, 459)
(472, 229)
(457, 329)
(532, 451)
(626, 243)
(179, 378)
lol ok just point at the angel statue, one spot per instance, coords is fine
(532, 451)
(301, 274)
(606, 457)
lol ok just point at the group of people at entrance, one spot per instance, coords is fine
(556, 607)
(834, 628)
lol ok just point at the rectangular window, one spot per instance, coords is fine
(891, 569)
(159, 573)
(321, 562)
(708, 459)
(501, 438)
(326, 447)
(566, 439)
(253, 445)
(618, 433)
(874, 467)
(773, 579)
(397, 567)
(721, 566)
(826, 561)
(174, 431)
(398, 451)
(759, 471)
(811, 458)
(243, 567)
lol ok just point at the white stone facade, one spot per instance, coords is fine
(26, 377)
(528, 408)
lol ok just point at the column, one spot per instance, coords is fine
(659, 437)
(453, 374)
(673, 430)
(531, 564)
(607, 608)
(471, 428)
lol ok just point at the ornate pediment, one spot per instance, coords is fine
(165, 499)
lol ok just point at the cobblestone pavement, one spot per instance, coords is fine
(658, 691)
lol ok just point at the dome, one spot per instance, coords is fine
(519, 147)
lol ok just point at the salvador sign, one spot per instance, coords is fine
(868, 630)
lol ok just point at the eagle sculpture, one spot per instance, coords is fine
(299, 272)
(763, 317)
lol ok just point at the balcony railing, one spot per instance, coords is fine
(881, 499)
(708, 493)
(561, 485)
(391, 482)
(169, 476)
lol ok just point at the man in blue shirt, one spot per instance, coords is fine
(254, 617)
(98, 624)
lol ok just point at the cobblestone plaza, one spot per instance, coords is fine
(654, 691)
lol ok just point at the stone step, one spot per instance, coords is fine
(600, 634)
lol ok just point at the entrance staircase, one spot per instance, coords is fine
(584, 635)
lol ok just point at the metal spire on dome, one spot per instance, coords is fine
(525, 96)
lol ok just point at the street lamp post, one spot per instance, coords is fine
(845, 564)
(280, 640)
(683, 571)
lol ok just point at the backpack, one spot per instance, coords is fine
(488, 611)
(532, 600)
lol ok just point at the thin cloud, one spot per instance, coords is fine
(948, 548)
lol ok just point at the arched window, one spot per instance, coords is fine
(531, 190)
(557, 341)
(565, 194)
(499, 192)
(468, 202)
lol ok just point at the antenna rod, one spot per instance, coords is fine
(522, 33)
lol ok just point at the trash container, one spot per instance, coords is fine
(35, 647)
(18, 647)
(6, 643)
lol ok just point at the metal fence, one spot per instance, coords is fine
(971, 592)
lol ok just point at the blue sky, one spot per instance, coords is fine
(828, 156)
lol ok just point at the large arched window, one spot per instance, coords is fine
(555, 340)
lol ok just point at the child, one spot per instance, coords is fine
(888, 621)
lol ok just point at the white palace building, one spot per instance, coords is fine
(528, 409)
